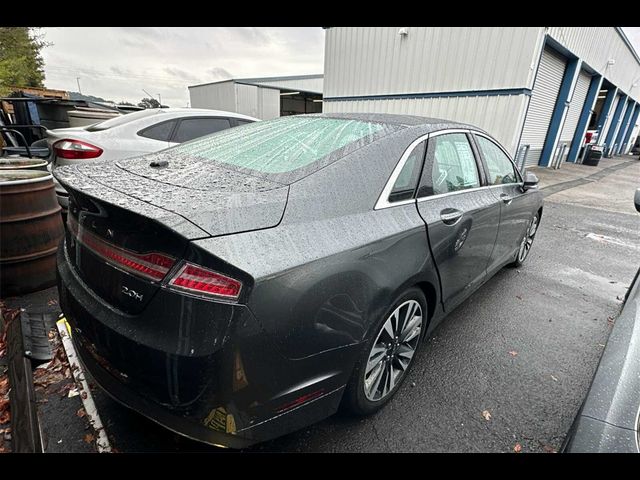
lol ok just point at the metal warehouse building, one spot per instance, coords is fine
(536, 89)
(263, 98)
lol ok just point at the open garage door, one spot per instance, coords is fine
(575, 109)
(543, 100)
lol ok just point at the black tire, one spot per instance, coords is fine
(519, 261)
(355, 399)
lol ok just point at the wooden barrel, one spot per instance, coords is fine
(30, 231)
(20, 163)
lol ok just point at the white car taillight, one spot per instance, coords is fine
(76, 149)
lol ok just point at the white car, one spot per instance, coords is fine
(134, 134)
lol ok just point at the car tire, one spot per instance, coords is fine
(527, 241)
(361, 398)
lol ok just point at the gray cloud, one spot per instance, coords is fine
(219, 73)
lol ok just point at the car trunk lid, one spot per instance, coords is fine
(117, 217)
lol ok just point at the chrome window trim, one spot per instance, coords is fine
(442, 195)
(383, 199)
(516, 169)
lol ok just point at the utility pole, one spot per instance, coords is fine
(160, 100)
(79, 89)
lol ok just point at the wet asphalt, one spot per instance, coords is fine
(522, 348)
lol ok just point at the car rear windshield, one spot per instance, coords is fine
(287, 148)
(122, 119)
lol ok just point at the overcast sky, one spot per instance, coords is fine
(118, 63)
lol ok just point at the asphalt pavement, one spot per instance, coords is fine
(509, 368)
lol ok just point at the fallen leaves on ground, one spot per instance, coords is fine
(486, 415)
(7, 315)
(549, 449)
(518, 297)
(81, 412)
(89, 438)
(517, 448)
(4, 384)
(56, 370)
(513, 353)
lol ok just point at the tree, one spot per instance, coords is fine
(123, 102)
(21, 63)
(149, 103)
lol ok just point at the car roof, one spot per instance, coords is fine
(202, 111)
(400, 120)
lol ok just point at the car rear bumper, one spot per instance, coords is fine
(265, 430)
(248, 391)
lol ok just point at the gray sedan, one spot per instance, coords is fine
(245, 284)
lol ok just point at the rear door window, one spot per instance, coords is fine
(450, 166)
(191, 128)
(161, 131)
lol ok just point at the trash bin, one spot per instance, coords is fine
(592, 155)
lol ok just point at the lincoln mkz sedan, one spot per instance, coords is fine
(246, 284)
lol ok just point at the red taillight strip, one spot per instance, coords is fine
(153, 266)
(202, 281)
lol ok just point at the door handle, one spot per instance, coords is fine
(506, 198)
(450, 216)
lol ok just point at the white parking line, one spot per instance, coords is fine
(102, 442)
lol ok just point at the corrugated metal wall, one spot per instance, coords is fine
(596, 46)
(366, 61)
(247, 99)
(219, 96)
(575, 109)
(268, 103)
(377, 60)
(259, 102)
(543, 100)
(497, 115)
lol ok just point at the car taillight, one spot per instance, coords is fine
(76, 149)
(198, 280)
(153, 265)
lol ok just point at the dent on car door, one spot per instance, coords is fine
(516, 205)
(461, 214)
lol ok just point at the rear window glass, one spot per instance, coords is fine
(191, 128)
(160, 131)
(287, 148)
(122, 119)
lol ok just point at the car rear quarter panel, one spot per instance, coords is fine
(332, 267)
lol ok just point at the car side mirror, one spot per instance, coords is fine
(636, 199)
(530, 181)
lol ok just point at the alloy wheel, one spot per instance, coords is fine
(393, 350)
(527, 241)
